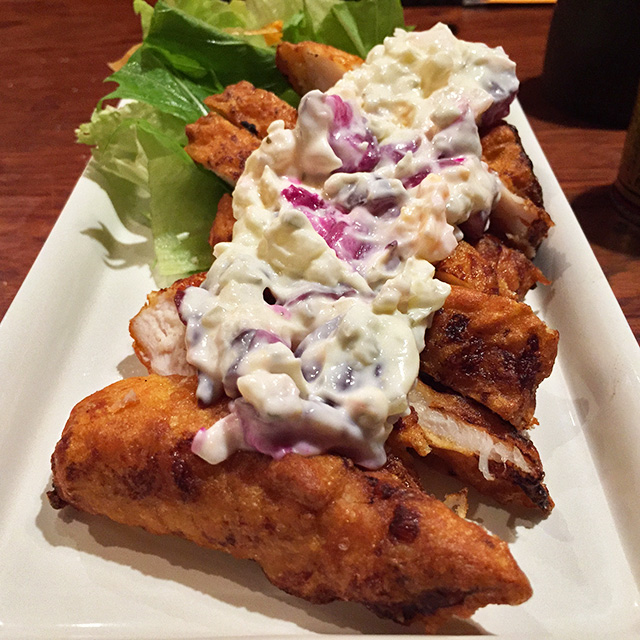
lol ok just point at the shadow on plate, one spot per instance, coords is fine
(497, 519)
(120, 255)
(131, 207)
(131, 367)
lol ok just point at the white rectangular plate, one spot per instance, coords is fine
(65, 574)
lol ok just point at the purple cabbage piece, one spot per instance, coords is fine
(450, 162)
(274, 438)
(351, 139)
(321, 333)
(361, 193)
(312, 433)
(413, 181)
(302, 199)
(332, 225)
(394, 152)
(338, 234)
(341, 291)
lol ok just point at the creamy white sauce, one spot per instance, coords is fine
(312, 319)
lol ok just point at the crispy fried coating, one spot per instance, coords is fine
(254, 109)
(475, 445)
(319, 527)
(466, 267)
(220, 146)
(310, 65)
(519, 217)
(240, 116)
(502, 150)
(492, 349)
(516, 274)
(222, 227)
(158, 333)
(491, 267)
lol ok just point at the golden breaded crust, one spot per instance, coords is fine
(222, 227)
(491, 267)
(465, 267)
(502, 150)
(516, 274)
(253, 109)
(310, 65)
(220, 146)
(511, 484)
(320, 527)
(492, 349)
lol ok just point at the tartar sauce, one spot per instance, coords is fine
(313, 318)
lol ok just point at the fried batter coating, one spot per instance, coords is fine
(502, 150)
(516, 274)
(519, 217)
(254, 109)
(319, 527)
(222, 227)
(240, 116)
(492, 349)
(491, 267)
(310, 65)
(475, 445)
(466, 267)
(158, 333)
(220, 146)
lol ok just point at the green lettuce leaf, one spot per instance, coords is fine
(183, 203)
(355, 26)
(145, 11)
(267, 11)
(358, 26)
(192, 49)
(217, 13)
(184, 59)
(113, 134)
(138, 152)
(151, 78)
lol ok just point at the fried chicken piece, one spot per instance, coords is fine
(240, 116)
(254, 109)
(220, 146)
(466, 267)
(502, 150)
(475, 445)
(319, 527)
(222, 227)
(158, 333)
(516, 274)
(519, 222)
(310, 65)
(492, 349)
(519, 217)
(491, 267)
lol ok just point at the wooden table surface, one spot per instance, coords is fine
(54, 59)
